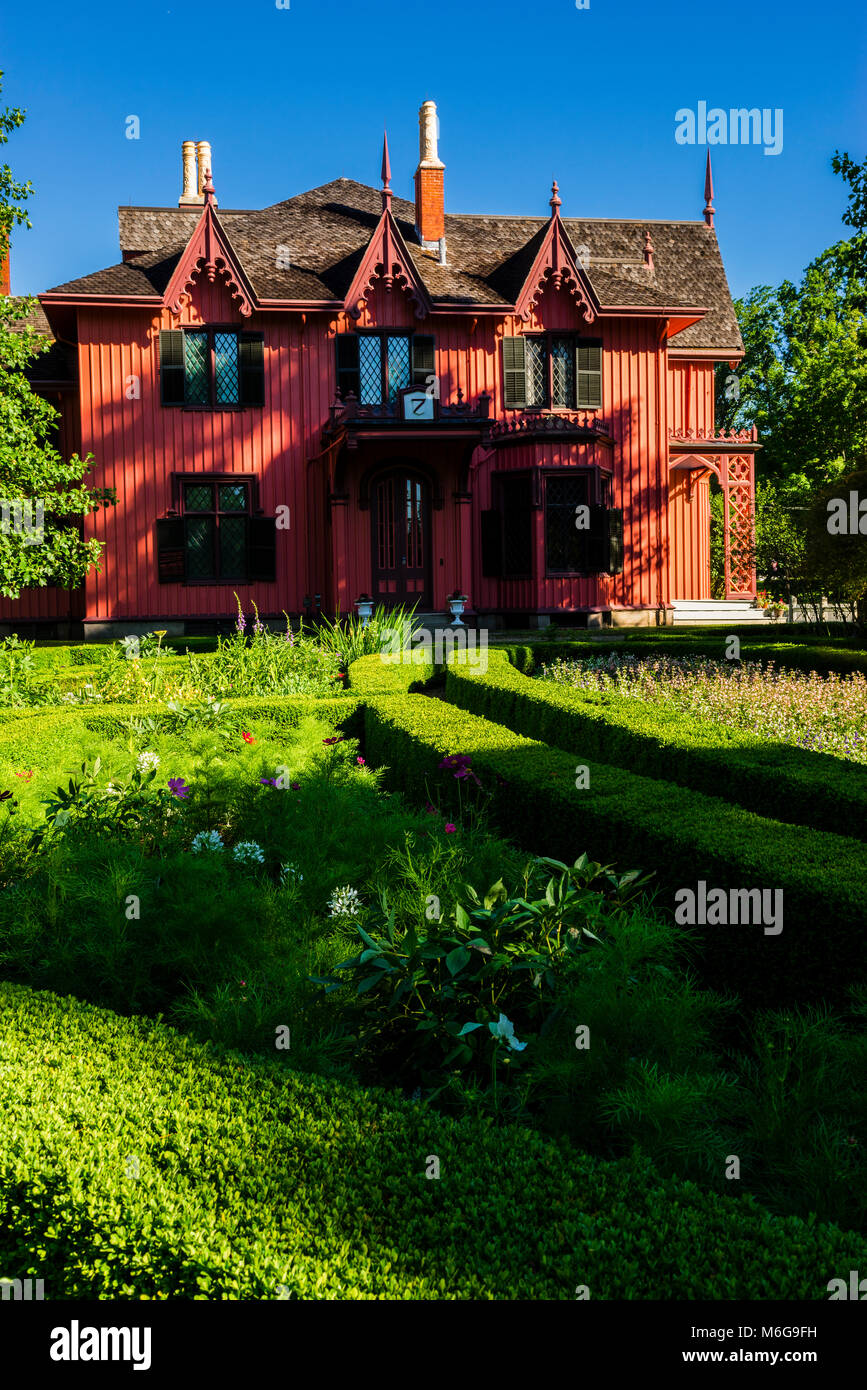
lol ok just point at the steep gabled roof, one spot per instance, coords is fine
(325, 233)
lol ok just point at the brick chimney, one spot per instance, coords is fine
(429, 181)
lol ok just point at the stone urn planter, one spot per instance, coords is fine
(364, 604)
(457, 603)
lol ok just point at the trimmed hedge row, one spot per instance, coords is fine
(773, 779)
(370, 675)
(637, 822)
(137, 1164)
(791, 656)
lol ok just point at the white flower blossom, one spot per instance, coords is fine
(344, 902)
(290, 873)
(248, 852)
(506, 1029)
(207, 840)
(147, 761)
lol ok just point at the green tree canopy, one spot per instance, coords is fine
(43, 498)
(803, 379)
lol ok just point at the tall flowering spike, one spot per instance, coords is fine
(386, 174)
(708, 193)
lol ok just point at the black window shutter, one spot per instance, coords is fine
(172, 366)
(423, 358)
(348, 364)
(514, 373)
(615, 540)
(492, 545)
(262, 549)
(588, 375)
(596, 541)
(251, 368)
(171, 551)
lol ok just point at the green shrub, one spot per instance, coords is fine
(683, 835)
(773, 779)
(370, 675)
(822, 654)
(161, 1168)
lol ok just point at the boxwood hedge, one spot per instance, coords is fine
(638, 822)
(137, 1164)
(773, 779)
(370, 675)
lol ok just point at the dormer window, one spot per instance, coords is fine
(552, 371)
(212, 368)
(376, 366)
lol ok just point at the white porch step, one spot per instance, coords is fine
(693, 612)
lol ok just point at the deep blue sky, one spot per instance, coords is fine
(291, 98)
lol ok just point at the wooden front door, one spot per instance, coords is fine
(400, 511)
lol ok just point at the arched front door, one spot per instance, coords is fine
(400, 516)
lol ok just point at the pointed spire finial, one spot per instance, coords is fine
(386, 173)
(648, 250)
(556, 201)
(208, 187)
(708, 194)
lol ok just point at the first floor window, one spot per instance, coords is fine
(212, 368)
(216, 539)
(579, 535)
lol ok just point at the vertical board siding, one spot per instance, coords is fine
(138, 444)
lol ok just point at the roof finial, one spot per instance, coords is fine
(648, 249)
(708, 194)
(556, 201)
(386, 174)
(208, 187)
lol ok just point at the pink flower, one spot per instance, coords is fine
(296, 786)
(361, 762)
(431, 809)
(25, 775)
(450, 828)
(248, 738)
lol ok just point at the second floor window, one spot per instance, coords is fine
(376, 366)
(554, 371)
(212, 368)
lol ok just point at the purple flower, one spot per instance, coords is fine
(268, 781)
(240, 622)
(296, 786)
(178, 787)
(431, 809)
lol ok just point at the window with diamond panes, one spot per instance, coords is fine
(216, 517)
(370, 369)
(562, 372)
(200, 547)
(233, 497)
(197, 389)
(233, 547)
(399, 372)
(537, 371)
(226, 368)
(565, 545)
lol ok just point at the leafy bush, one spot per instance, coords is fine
(449, 990)
(164, 1169)
(349, 639)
